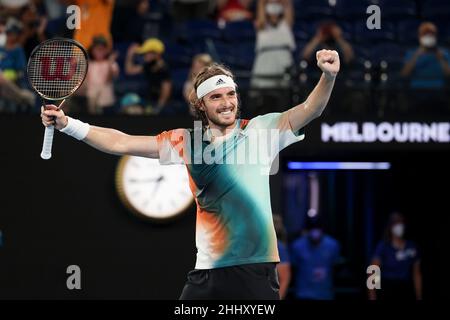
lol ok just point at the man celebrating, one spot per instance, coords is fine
(235, 237)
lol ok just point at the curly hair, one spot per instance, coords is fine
(212, 70)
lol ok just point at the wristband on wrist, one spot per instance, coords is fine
(76, 128)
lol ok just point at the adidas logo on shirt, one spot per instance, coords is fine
(220, 81)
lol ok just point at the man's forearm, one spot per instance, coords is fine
(301, 115)
(319, 97)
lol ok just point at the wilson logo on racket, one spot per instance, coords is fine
(59, 68)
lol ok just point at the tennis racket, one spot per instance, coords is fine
(56, 69)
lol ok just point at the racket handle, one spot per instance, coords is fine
(47, 144)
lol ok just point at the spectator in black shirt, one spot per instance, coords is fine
(156, 72)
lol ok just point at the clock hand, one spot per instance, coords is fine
(158, 181)
(144, 180)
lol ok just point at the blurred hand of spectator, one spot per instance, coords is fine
(328, 36)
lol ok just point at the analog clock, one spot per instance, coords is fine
(153, 191)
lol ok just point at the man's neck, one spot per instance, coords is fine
(219, 131)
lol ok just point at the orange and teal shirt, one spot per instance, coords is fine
(229, 179)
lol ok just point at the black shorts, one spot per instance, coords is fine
(257, 281)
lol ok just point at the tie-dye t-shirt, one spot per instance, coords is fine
(229, 179)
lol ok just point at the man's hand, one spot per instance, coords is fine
(328, 62)
(52, 116)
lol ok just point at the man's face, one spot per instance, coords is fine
(151, 56)
(221, 106)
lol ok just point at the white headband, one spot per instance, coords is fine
(213, 83)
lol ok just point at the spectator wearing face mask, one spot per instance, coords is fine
(314, 257)
(274, 43)
(427, 66)
(399, 262)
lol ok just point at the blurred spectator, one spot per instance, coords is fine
(284, 267)
(234, 10)
(399, 261)
(34, 28)
(155, 70)
(103, 69)
(2, 31)
(130, 20)
(328, 36)
(274, 44)
(428, 65)
(12, 7)
(96, 16)
(183, 10)
(131, 104)
(314, 257)
(198, 63)
(12, 67)
(56, 16)
(12, 56)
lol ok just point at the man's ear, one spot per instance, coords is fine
(201, 105)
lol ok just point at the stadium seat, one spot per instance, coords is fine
(407, 32)
(195, 31)
(240, 31)
(178, 56)
(435, 9)
(314, 9)
(351, 10)
(387, 33)
(395, 9)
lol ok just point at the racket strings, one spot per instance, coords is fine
(57, 69)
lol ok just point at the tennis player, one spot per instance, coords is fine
(235, 237)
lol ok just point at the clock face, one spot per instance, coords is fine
(152, 190)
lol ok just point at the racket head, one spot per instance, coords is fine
(57, 68)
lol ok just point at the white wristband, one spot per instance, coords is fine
(76, 128)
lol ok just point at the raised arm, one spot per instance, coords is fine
(104, 139)
(260, 21)
(302, 114)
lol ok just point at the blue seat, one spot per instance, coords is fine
(350, 9)
(435, 9)
(394, 9)
(195, 31)
(444, 33)
(313, 9)
(237, 57)
(387, 33)
(239, 31)
(407, 32)
(179, 77)
(178, 56)
(389, 52)
(303, 31)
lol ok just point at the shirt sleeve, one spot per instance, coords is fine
(279, 131)
(172, 146)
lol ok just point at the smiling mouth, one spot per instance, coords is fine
(226, 112)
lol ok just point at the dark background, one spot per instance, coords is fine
(65, 211)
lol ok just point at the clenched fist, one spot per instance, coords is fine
(328, 62)
(52, 116)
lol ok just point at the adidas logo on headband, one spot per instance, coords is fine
(215, 82)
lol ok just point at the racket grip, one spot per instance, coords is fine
(47, 144)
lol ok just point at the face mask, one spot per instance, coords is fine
(274, 8)
(428, 41)
(398, 230)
